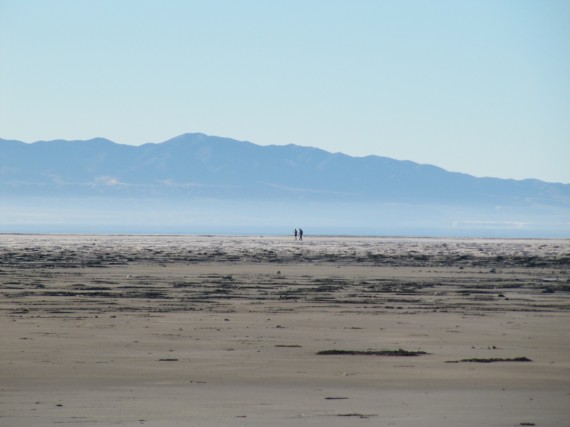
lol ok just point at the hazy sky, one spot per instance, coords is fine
(481, 87)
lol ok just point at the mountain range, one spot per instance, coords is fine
(195, 167)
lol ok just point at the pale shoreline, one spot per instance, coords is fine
(225, 330)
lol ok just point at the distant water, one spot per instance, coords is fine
(138, 216)
(454, 231)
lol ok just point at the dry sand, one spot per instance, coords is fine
(225, 331)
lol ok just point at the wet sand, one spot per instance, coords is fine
(228, 331)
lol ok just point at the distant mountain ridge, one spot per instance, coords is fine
(201, 166)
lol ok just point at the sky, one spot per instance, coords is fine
(480, 87)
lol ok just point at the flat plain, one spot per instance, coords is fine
(267, 331)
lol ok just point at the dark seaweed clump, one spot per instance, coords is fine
(400, 353)
(492, 360)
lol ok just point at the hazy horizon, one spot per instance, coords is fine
(202, 216)
(199, 184)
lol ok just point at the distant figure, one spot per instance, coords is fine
(295, 233)
(300, 234)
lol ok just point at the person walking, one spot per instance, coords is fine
(300, 234)
(295, 233)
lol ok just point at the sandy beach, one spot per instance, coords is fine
(266, 331)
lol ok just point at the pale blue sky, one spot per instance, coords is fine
(481, 87)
